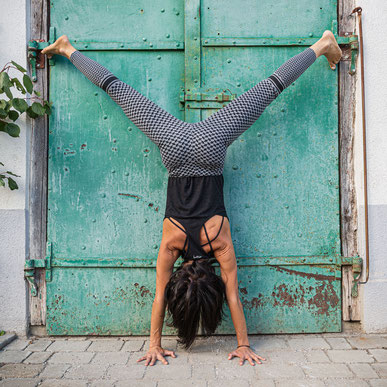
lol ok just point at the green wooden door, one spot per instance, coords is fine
(107, 184)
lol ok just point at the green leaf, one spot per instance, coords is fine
(4, 80)
(3, 113)
(31, 113)
(20, 104)
(12, 184)
(28, 83)
(13, 115)
(18, 85)
(3, 103)
(11, 173)
(8, 92)
(2, 182)
(2, 126)
(12, 129)
(37, 93)
(38, 109)
(1, 163)
(22, 69)
(47, 108)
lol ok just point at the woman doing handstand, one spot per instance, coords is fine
(196, 225)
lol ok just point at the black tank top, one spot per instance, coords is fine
(192, 200)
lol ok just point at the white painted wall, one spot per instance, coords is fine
(13, 153)
(375, 58)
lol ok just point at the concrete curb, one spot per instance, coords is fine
(6, 339)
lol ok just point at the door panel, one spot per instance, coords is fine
(107, 184)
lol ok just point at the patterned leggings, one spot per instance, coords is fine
(195, 149)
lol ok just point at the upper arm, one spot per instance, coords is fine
(164, 270)
(229, 274)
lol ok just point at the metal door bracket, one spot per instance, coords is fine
(350, 46)
(35, 57)
(205, 99)
(31, 264)
(357, 264)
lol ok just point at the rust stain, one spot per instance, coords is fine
(157, 208)
(284, 296)
(325, 296)
(319, 277)
(243, 290)
(130, 195)
(83, 146)
(150, 205)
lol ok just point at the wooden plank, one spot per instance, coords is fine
(349, 216)
(38, 169)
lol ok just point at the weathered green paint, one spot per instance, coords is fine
(107, 184)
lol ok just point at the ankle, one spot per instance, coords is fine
(321, 46)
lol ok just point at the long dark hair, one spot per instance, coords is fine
(195, 293)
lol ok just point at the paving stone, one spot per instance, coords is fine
(379, 354)
(273, 371)
(308, 343)
(106, 345)
(299, 383)
(268, 343)
(69, 345)
(282, 356)
(345, 382)
(235, 371)
(380, 368)
(207, 357)
(86, 371)
(63, 383)
(71, 357)
(37, 357)
(20, 370)
(123, 372)
(54, 371)
(136, 383)
(111, 358)
(203, 371)
(161, 371)
(182, 383)
(102, 383)
(377, 382)
(323, 370)
(133, 345)
(13, 356)
(28, 382)
(365, 342)
(338, 342)
(363, 370)
(349, 356)
(231, 383)
(39, 345)
(6, 339)
(17, 345)
(317, 356)
(170, 344)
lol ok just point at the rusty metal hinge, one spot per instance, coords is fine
(31, 264)
(35, 58)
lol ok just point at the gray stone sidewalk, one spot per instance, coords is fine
(333, 359)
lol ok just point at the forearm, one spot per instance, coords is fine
(239, 321)
(157, 320)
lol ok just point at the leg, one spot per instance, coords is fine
(155, 122)
(237, 116)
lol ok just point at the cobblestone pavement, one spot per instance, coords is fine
(333, 359)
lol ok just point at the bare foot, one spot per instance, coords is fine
(333, 52)
(61, 46)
